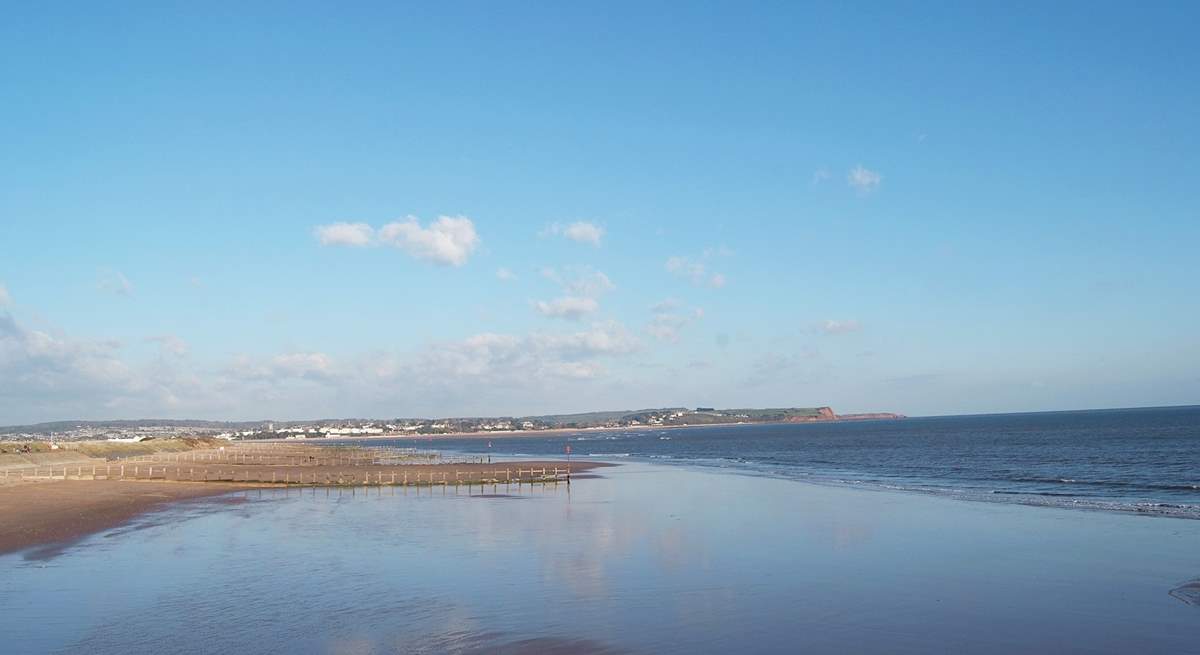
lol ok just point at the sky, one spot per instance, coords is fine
(306, 210)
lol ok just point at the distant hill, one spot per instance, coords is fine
(625, 417)
(596, 418)
(63, 426)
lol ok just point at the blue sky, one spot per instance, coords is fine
(916, 208)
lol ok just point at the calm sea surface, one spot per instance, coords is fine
(1134, 460)
(645, 559)
(700, 542)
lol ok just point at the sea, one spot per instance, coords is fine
(701, 540)
(1144, 460)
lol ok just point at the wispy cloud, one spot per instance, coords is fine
(490, 361)
(665, 306)
(449, 240)
(579, 232)
(170, 345)
(311, 366)
(772, 367)
(345, 234)
(504, 274)
(5, 298)
(43, 370)
(695, 270)
(863, 179)
(820, 175)
(571, 308)
(835, 327)
(114, 282)
(669, 317)
(587, 282)
(582, 286)
(52, 375)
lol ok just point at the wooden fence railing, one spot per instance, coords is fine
(399, 476)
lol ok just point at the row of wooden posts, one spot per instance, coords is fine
(258, 476)
(304, 459)
(237, 457)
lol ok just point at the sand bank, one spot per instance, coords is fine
(50, 512)
(36, 513)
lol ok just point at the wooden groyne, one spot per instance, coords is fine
(286, 465)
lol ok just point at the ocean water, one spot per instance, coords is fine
(646, 558)
(1128, 460)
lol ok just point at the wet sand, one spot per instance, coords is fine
(40, 513)
(50, 512)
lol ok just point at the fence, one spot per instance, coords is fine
(398, 476)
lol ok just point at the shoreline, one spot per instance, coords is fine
(643, 533)
(43, 514)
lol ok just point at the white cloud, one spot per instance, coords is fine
(52, 377)
(568, 307)
(609, 338)
(695, 270)
(838, 327)
(584, 232)
(863, 179)
(303, 364)
(574, 370)
(449, 240)
(344, 234)
(504, 274)
(41, 369)
(114, 282)
(666, 306)
(589, 283)
(582, 287)
(314, 366)
(491, 363)
(579, 280)
(170, 345)
(5, 298)
(579, 232)
(665, 327)
(669, 318)
(820, 175)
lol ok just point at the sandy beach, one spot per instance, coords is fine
(37, 512)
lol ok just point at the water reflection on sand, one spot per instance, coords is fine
(641, 559)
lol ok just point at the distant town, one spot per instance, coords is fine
(139, 430)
